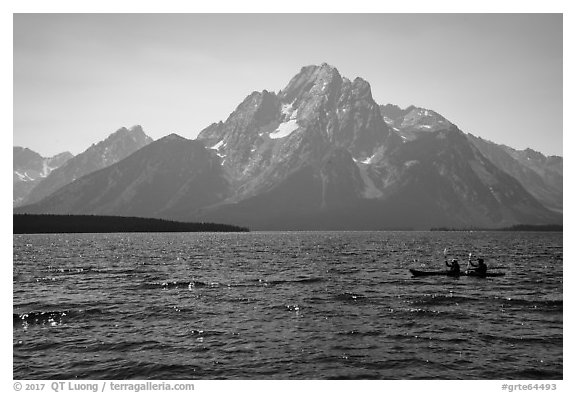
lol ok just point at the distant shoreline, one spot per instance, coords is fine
(55, 223)
(513, 228)
(65, 223)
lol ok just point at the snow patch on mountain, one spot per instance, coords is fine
(218, 145)
(46, 169)
(369, 159)
(376, 155)
(287, 109)
(370, 190)
(287, 127)
(284, 129)
(23, 177)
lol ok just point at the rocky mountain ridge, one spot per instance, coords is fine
(319, 154)
(114, 148)
(29, 168)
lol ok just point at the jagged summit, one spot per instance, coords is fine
(268, 135)
(319, 154)
(134, 132)
(413, 120)
(30, 168)
(170, 177)
(114, 148)
(361, 83)
(311, 79)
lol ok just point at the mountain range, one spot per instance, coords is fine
(116, 147)
(319, 154)
(30, 168)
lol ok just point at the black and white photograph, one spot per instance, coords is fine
(287, 196)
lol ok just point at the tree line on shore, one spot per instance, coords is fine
(56, 223)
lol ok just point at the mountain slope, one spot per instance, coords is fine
(29, 168)
(117, 146)
(271, 136)
(538, 174)
(319, 154)
(413, 167)
(438, 179)
(444, 168)
(168, 178)
(413, 121)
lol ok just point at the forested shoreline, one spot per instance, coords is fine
(55, 223)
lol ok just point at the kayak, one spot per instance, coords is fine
(473, 273)
(417, 273)
(470, 273)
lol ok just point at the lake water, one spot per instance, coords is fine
(315, 305)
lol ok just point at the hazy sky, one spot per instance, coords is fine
(80, 77)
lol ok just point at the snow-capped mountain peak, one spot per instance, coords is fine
(114, 148)
(319, 154)
(30, 168)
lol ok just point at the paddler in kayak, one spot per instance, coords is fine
(454, 267)
(480, 268)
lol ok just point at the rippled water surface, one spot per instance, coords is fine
(317, 305)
